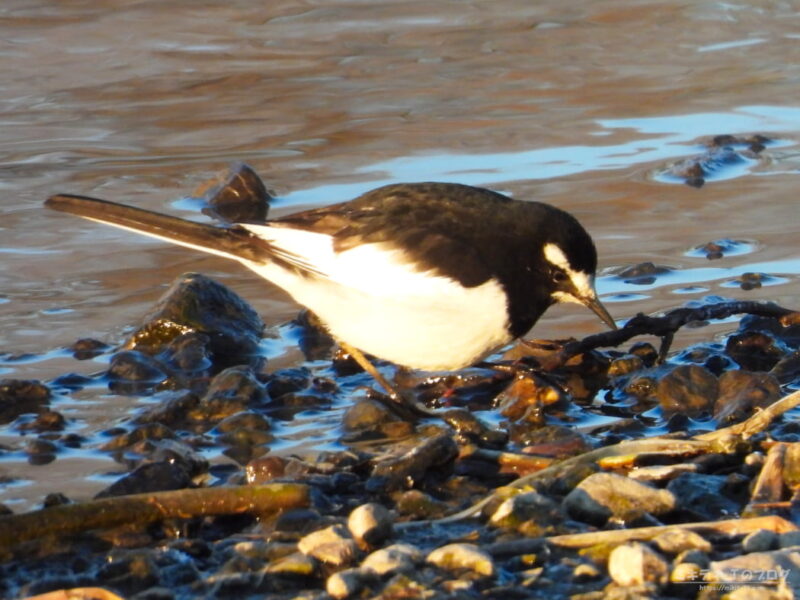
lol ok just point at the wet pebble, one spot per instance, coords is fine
(87, 348)
(753, 350)
(602, 496)
(526, 397)
(132, 372)
(368, 416)
(288, 381)
(129, 572)
(662, 473)
(189, 354)
(471, 429)
(266, 468)
(48, 420)
(19, 396)
(458, 557)
(232, 391)
(238, 195)
(625, 366)
(686, 572)
(150, 477)
(642, 274)
(408, 469)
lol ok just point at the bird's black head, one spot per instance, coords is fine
(561, 266)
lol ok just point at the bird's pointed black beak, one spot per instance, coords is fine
(594, 304)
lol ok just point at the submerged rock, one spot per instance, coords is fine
(642, 274)
(689, 390)
(19, 396)
(742, 392)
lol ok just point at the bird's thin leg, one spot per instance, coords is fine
(364, 363)
(394, 394)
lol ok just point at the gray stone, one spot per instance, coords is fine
(297, 564)
(370, 524)
(677, 540)
(397, 558)
(604, 495)
(703, 495)
(762, 540)
(758, 567)
(347, 583)
(636, 564)
(332, 545)
(462, 556)
(789, 539)
(527, 506)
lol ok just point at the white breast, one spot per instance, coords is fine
(372, 298)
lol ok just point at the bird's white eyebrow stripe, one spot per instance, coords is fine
(556, 256)
(582, 281)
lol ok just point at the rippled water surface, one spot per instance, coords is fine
(584, 105)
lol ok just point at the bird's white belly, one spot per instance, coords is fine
(373, 299)
(446, 332)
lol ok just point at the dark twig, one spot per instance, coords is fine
(666, 326)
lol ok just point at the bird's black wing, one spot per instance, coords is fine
(436, 225)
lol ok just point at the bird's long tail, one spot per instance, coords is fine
(232, 242)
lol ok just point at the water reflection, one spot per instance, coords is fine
(668, 138)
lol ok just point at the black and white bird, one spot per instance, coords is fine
(432, 276)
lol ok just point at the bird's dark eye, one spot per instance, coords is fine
(559, 276)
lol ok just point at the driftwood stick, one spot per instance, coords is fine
(669, 447)
(143, 509)
(620, 536)
(756, 423)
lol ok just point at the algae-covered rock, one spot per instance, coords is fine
(196, 303)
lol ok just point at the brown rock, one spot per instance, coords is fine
(688, 390)
(740, 392)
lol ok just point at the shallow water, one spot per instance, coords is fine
(582, 105)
